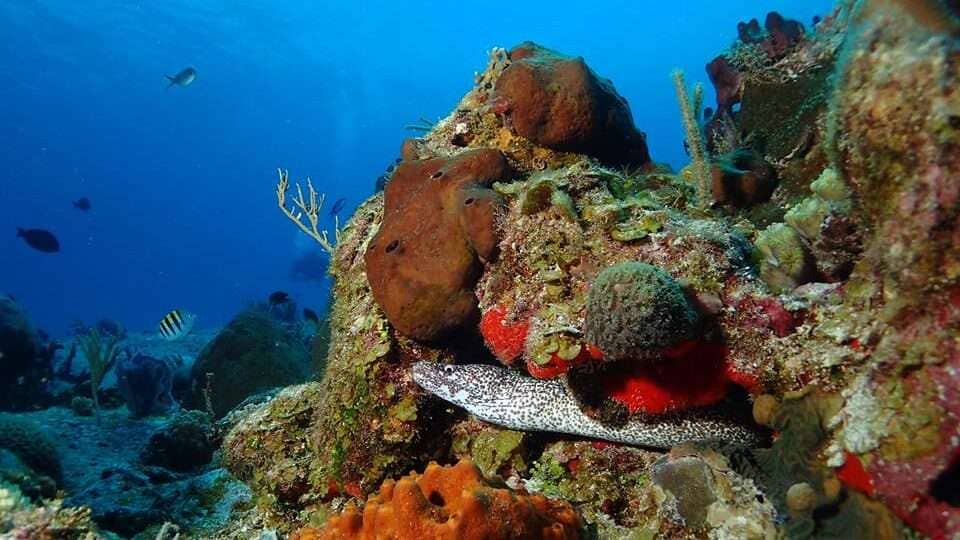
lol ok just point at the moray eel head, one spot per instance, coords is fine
(467, 386)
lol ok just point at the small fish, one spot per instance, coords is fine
(311, 316)
(184, 78)
(176, 324)
(82, 204)
(338, 206)
(278, 297)
(40, 239)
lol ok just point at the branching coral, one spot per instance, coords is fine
(695, 144)
(309, 207)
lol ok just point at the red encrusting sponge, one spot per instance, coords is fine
(505, 339)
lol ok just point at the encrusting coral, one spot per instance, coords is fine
(452, 503)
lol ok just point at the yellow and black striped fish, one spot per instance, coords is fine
(176, 324)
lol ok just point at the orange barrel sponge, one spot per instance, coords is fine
(455, 503)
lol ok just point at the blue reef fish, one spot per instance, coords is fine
(338, 206)
(184, 78)
(82, 204)
(39, 239)
(176, 324)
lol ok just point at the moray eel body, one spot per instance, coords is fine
(506, 398)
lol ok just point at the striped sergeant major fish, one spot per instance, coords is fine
(176, 324)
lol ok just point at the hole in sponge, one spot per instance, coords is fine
(392, 246)
(946, 486)
(436, 498)
(436, 175)
(468, 201)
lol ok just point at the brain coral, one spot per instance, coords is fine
(558, 102)
(453, 503)
(439, 224)
(635, 309)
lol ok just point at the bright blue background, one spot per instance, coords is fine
(182, 180)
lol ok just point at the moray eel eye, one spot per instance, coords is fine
(448, 369)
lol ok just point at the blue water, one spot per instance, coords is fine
(181, 180)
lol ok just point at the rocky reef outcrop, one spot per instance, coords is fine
(809, 290)
(252, 354)
(25, 363)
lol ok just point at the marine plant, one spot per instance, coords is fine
(309, 207)
(100, 355)
(695, 142)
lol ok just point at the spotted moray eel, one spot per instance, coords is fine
(509, 399)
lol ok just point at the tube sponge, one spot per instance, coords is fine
(635, 310)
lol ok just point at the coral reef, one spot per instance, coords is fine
(22, 518)
(251, 354)
(146, 384)
(22, 366)
(558, 102)
(819, 289)
(31, 444)
(635, 309)
(439, 225)
(742, 178)
(183, 444)
(453, 503)
(266, 448)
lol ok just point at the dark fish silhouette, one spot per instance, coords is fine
(40, 240)
(311, 316)
(82, 204)
(184, 78)
(278, 297)
(338, 206)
